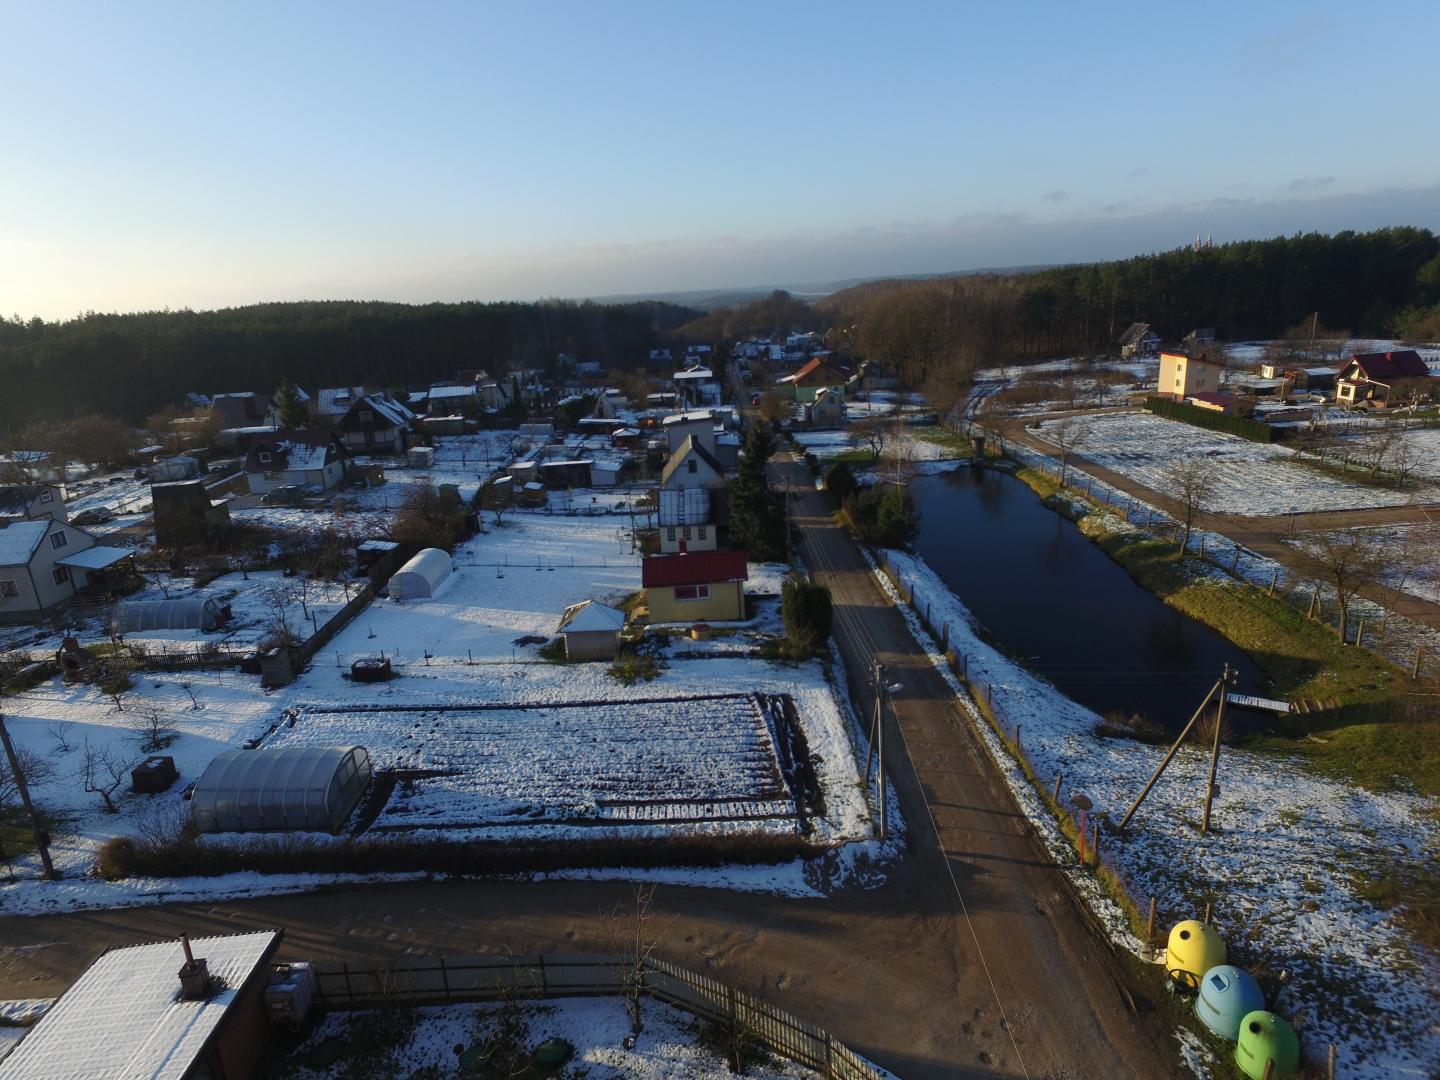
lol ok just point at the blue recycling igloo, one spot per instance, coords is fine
(1226, 995)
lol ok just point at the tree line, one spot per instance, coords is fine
(131, 365)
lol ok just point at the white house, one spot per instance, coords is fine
(38, 567)
(29, 502)
(295, 458)
(687, 519)
(699, 425)
(692, 466)
(696, 385)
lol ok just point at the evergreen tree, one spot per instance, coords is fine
(293, 413)
(757, 514)
(806, 608)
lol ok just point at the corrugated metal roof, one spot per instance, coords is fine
(694, 568)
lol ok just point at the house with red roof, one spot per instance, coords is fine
(1385, 379)
(695, 586)
(815, 376)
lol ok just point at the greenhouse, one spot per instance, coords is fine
(302, 788)
(139, 616)
(419, 578)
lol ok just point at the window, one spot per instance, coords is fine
(686, 532)
(45, 495)
(366, 416)
(8, 591)
(264, 456)
(670, 534)
(61, 575)
(700, 531)
(692, 465)
(59, 539)
(692, 592)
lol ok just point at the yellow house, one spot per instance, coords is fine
(697, 586)
(1183, 376)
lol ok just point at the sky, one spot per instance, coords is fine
(207, 155)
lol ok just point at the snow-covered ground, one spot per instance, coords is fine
(1284, 862)
(1252, 478)
(829, 444)
(669, 1047)
(509, 583)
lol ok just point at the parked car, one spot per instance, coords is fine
(96, 515)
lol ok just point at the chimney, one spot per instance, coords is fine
(194, 974)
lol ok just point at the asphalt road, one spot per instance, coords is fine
(1013, 982)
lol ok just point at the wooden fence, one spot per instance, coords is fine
(488, 978)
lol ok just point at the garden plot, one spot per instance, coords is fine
(463, 460)
(830, 444)
(1287, 863)
(598, 1029)
(1254, 479)
(612, 762)
(339, 516)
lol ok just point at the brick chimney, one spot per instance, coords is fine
(194, 974)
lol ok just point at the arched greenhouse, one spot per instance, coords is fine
(138, 616)
(419, 578)
(291, 788)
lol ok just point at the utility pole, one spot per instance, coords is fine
(876, 752)
(1225, 681)
(42, 838)
(1179, 739)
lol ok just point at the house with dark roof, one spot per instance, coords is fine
(1385, 379)
(692, 466)
(30, 502)
(243, 409)
(375, 423)
(1139, 341)
(696, 586)
(295, 458)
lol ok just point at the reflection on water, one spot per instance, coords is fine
(1052, 598)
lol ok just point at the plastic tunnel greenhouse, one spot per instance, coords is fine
(138, 616)
(421, 576)
(300, 788)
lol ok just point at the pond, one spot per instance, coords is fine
(1051, 598)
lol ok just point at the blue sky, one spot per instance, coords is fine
(206, 155)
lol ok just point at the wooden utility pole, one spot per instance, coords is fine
(1225, 681)
(1169, 754)
(876, 750)
(42, 838)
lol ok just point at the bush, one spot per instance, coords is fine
(630, 668)
(884, 515)
(427, 519)
(808, 614)
(117, 858)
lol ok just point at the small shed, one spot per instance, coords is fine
(419, 578)
(286, 789)
(140, 616)
(420, 457)
(591, 631)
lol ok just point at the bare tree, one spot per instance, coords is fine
(33, 767)
(152, 727)
(1192, 483)
(635, 940)
(872, 433)
(189, 689)
(60, 732)
(1067, 436)
(1347, 561)
(278, 600)
(117, 679)
(103, 771)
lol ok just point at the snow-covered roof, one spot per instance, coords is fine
(124, 1016)
(19, 539)
(336, 401)
(301, 457)
(443, 392)
(591, 615)
(688, 417)
(96, 558)
(695, 373)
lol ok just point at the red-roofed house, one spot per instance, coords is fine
(696, 586)
(815, 376)
(1384, 379)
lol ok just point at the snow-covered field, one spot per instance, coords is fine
(597, 1028)
(829, 444)
(1284, 863)
(511, 582)
(1253, 478)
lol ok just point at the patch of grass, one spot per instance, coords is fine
(630, 668)
(950, 440)
(1412, 888)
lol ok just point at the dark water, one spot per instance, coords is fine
(1053, 599)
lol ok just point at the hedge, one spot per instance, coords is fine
(1209, 418)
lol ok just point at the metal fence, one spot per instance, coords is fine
(489, 978)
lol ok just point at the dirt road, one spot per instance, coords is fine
(1011, 983)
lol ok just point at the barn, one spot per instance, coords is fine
(287, 789)
(422, 576)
